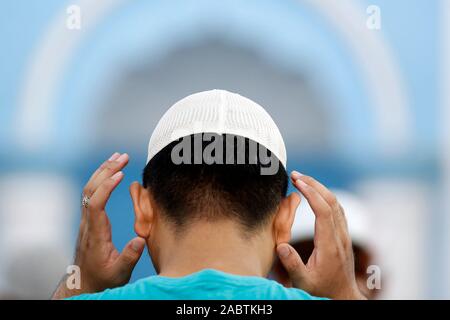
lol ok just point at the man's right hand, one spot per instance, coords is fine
(102, 265)
(330, 270)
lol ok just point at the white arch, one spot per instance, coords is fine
(393, 119)
(56, 48)
(383, 78)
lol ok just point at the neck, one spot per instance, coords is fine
(218, 246)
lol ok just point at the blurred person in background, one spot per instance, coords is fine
(199, 220)
(302, 240)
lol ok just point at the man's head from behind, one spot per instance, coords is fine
(220, 197)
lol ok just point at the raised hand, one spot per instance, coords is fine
(100, 263)
(330, 270)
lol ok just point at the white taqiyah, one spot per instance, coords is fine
(219, 112)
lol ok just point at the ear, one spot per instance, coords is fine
(143, 210)
(284, 219)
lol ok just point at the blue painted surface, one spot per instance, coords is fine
(291, 37)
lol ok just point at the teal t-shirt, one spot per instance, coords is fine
(205, 284)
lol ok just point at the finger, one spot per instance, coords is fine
(113, 157)
(329, 196)
(98, 222)
(339, 219)
(109, 169)
(293, 264)
(325, 233)
(342, 228)
(129, 257)
(101, 196)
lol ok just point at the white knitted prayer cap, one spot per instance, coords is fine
(220, 112)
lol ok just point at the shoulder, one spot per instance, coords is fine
(298, 294)
(137, 290)
(282, 293)
(208, 284)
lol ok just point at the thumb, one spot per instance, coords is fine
(130, 256)
(293, 264)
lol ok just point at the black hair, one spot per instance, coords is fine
(188, 192)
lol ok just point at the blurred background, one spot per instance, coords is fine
(360, 90)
